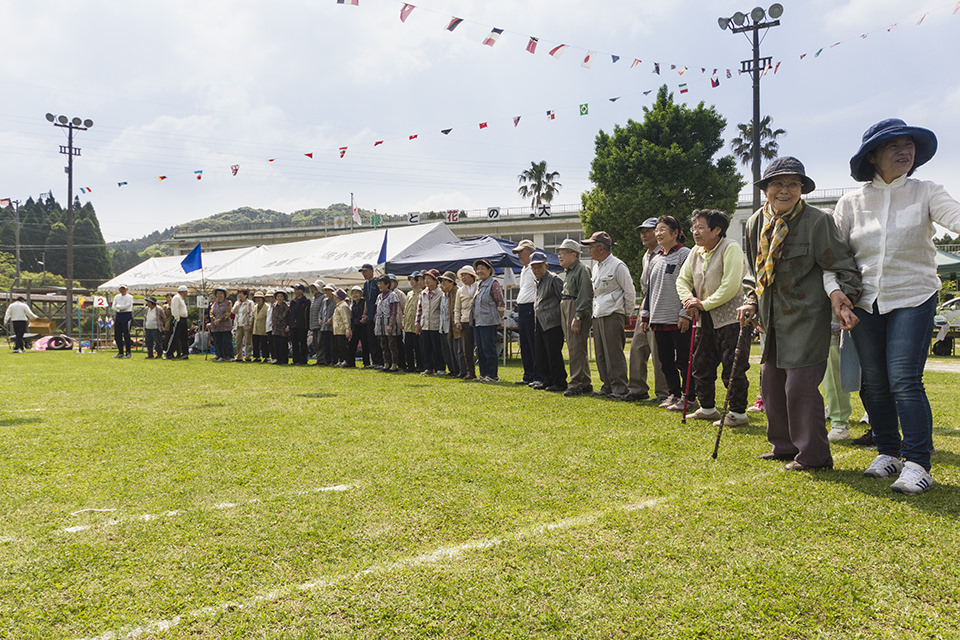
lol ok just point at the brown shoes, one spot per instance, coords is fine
(797, 466)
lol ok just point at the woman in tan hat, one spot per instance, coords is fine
(461, 314)
(449, 333)
(261, 341)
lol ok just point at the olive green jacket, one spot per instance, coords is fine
(795, 309)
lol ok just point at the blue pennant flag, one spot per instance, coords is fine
(193, 261)
(382, 258)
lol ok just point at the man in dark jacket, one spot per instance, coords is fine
(372, 355)
(298, 320)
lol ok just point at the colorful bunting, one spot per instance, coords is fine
(272, 160)
(343, 151)
(956, 8)
(493, 37)
(85, 189)
(454, 23)
(584, 109)
(921, 18)
(776, 68)
(355, 3)
(647, 92)
(817, 54)
(683, 88)
(198, 173)
(635, 62)
(405, 11)
(414, 136)
(377, 143)
(588, 60)
(681, 71)
(446, 132)
(729, 75)
(614, 99)
(551, 115)
(614, 58)
(234, 168)
(890, 28)
(161, 178)
(309, 155)
(557, 51)
(656, 68)
(714, 82)
(516, 121)
(483, 125)
(532, 45)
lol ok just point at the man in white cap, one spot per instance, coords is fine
(643, 345)
(576, 313)
(178, 314)
(19, 314)
(614, 296)
(122, 319)
(525, 314)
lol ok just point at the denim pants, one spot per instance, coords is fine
(486, 339)
(893, 350)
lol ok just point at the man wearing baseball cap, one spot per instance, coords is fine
(643, 345)
(372, 354)
(526, 296)
(178, 313)
(123, 317)
(576, 313)
(614, 296)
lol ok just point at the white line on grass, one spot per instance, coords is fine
(220, 506)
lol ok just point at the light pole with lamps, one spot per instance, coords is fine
(741, 23)
(70, 124)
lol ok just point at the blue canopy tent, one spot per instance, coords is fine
(450, 256)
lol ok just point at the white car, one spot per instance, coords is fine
(950, 312)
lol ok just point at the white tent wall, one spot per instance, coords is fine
(337, 258)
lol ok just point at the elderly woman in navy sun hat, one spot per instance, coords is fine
(889, 223)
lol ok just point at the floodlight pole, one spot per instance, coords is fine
(754, 67)
(70, 125)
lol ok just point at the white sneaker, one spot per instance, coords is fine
(913, 479)
(670, 401)
(865, 418)
(700, 414)
(732, 420)
(839, 433)
(883, 467)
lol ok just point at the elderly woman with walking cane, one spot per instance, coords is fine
(790, 245)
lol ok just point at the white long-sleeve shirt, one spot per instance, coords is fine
(178, 307)
(18, 312)
(528, 286)
(613, 288)
(890, 229)
(122, 302)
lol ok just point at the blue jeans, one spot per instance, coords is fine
(486, 339)
(893, 350)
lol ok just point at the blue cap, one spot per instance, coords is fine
(649, 223)
(538, 257)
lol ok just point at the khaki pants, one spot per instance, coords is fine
(642, 347)
(576, 345)
(244, 337)
(608, 341)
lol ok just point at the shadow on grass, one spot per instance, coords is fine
(942, 500)
(319, 394)
(947, 432)
(13, 422)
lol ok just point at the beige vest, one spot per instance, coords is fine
(706, 281)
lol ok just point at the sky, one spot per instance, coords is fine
(176, 87)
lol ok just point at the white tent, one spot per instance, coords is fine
(336, 257)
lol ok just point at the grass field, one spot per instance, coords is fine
(201, 500)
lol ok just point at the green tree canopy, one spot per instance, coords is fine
(663, 165)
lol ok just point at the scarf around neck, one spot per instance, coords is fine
(774, 232)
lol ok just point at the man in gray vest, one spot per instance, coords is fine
(548, 331)
(715, 270)
(643, 345)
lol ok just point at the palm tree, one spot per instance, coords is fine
(541, 184)
(742, 145)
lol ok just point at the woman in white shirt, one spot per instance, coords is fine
(889, 224)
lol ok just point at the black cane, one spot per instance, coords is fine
(733, 372)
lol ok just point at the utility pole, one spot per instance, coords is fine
(70, 125)
(739, 23)
(16, 233)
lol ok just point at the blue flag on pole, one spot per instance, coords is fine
(382, 258)
(193, 261)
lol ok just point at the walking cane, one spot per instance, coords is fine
(733, 372)
(686, 392)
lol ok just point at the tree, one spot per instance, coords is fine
(541, 184)
(663, 165)
(742, 145)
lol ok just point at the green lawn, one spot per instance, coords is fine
(254, 501)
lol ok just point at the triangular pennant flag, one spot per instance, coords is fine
(343, 151)
(199, 174)
(681, 71)
(234, 168)
(656, 68)
(584, 109)
(835, 44)
(729, 75)
(588, 60)
(817, 54)
(193, 260)
(120, 184)
(355, 3)
(532, 45)
(382, 258)
(890, 28)
(161, 178)
(405, 11)
(85, 189)
(703, 69)
(673, 67)
(483, 125)
(614, 99)
(635, 62)
(714, 82)
(558, 50)
(454, 23)
(272, 160)
(491, 39)
(551, 115)
(378, 142)
(414, 136)
(683, 88)
(647, 92)
(777, 67)
(864, 35)
(714, 72)
(516, 120)
(309, 155)
(445, 132)
(802, 56)
(614, 58)
(956, 8)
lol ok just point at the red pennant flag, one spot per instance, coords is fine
(405, 11)
(414, 136)
(956, 8)
(235, 167)
(454, 23)
(272, 160)
(776, 67)
(703, 69)
(890, 28)
(558, 50)
(921, 18)
(343, 151)
(532, 45)
(516, 121)
(491, 39)
(635, 63)
(378, 142)
(309, 155)
(483, 125)
(161, 178)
